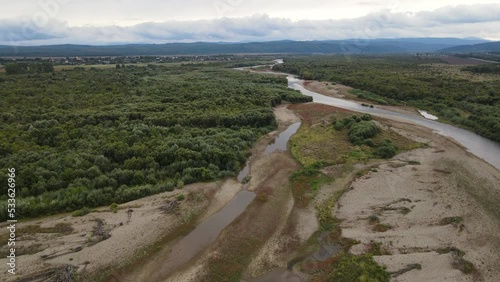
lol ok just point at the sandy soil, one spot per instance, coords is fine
(415, 201)
(147, 223)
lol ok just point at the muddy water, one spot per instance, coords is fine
(244, 172)
(208, 230)
(279, 144)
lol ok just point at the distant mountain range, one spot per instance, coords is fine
(474, 48)
(352, 46)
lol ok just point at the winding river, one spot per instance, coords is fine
(482, 147)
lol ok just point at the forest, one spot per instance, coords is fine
(87, 138)
(411, 80)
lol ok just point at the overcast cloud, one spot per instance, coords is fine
(46, 22)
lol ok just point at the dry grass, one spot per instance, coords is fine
(318, 141)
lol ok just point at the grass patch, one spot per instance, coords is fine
(230, 266)
(409, 267)
(451, 220)
(81, 212)
(350, 268)
(338, 137)
(450, 250)
(61, 228)
(373, 219)
(306, 182)
(376, 249)
(381, 227)
(459, 262)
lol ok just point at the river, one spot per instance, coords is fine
(482, 147)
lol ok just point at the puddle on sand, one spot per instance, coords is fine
(280, 143)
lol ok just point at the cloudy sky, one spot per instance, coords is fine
(39, 22)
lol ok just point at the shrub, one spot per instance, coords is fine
(180, 197)
(338, 125)
(358, 268)
(369, 142)
(361, 131)
(386, 150)
(114, 207)
(81, 212)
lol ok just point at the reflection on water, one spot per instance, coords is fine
(279, 143)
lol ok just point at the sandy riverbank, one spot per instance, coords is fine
(432, 200)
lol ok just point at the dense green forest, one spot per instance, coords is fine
(85, 138)
(411, 80)
(24, 68)
(488, 68)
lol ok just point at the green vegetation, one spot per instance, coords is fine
(81, 212)
(459, 262)
(87, 138)
(362, 130)
(367, 95)
(306, 182)
(352, 138)
(358, 268)
(114, 207)
(25, 68)
(451, 220)
(411, 80)
(488, 68)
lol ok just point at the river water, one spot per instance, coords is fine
(207, 231)
(482, 147)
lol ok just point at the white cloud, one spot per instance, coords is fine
(452, 21)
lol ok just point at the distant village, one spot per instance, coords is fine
(82, 61)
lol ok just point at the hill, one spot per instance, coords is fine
(482, 47)
(351, 46)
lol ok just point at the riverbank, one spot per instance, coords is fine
(425, 214)
(431, 207)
